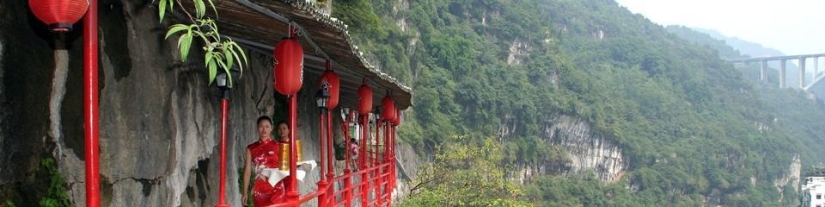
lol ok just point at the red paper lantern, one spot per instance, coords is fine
(364, 99)
(289, 66)
(59, 14)
(331, 80)
(388, 112)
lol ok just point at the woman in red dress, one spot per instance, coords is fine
(264, 154)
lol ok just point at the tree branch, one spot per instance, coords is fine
(186, 12)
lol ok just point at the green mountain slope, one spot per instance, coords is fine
(730, 47)
(692, 127)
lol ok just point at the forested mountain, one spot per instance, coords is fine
(589, 104)
(745, 47)
(732, 48)
(713, 42)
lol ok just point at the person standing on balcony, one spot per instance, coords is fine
(260, 155)
(353, 150)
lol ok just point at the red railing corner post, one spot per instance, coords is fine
(391, 165)
(90, 105)
(347, 187)
(322, 199)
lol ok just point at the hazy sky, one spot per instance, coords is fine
(791, 26)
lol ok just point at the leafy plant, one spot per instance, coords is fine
(56, 195)
(219, 52)
(465, 174)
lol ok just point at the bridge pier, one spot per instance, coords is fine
(782, 73)
(801, 72)
(762, 71)
(816, 68)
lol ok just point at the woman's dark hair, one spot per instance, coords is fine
(352, 140)
(262, 118)
(282, 122)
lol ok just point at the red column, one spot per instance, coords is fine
(347, 164)
(347, 171)
(346, 141)
(363, 157)
(386, 158)
(222, 188)
(292, 188)
(391, 161)
(90, 105)
(379, 186)
(330, 159)
(376, 173)
(322, 199)
(392, 158)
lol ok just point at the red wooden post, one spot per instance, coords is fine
(222, 188)
(330, 160)
(346, 141)
(386, 158)
(363, 158)
(322, 199)
(376, 173)
(347, 164)
(391, 161)
(90, 105)
(380, 188)
(292, 189)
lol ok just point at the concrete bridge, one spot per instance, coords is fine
(801, 63)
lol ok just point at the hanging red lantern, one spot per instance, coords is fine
(59, 14)
(388, 112)
(289, 66)
(333, 82)
(364, 99)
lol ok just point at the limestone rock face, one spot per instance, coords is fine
(26, 64)
(159, 117)
(791, 177)
(585, 150)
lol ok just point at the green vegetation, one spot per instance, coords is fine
(57, 194)
(694, 129)
(464, 174)
(218, 52)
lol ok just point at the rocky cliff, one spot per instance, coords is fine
(159, 118)
(790, 178)
(585, 150)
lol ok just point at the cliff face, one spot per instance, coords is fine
(586, 151)
(26, 64)
(790, 178)
(159, 118)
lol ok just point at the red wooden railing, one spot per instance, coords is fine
(371, 184)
